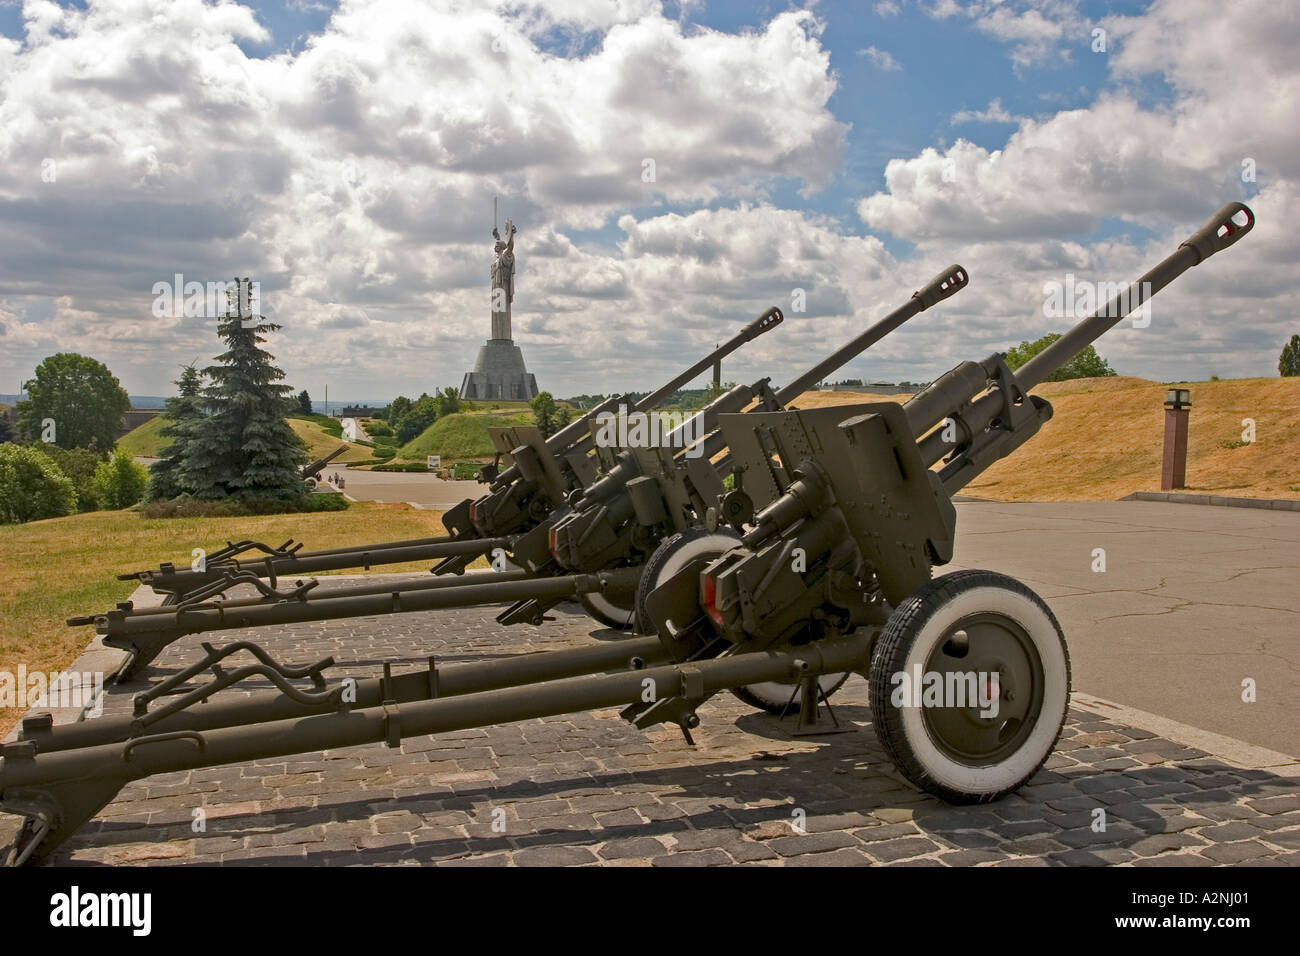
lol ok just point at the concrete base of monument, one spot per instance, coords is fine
(499, 373)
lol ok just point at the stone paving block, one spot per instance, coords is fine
(810, 843)
(891, 850)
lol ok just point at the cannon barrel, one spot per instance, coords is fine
(1219, 232)
(946, 283)
(319, 463)
(573, 432)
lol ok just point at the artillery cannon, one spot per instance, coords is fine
(588, 542)
(558, 465)
(833, 576)
(312, 471)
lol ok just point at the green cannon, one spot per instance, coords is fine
(559, 465)
(600, 566)
(312, 471)
(832, 576)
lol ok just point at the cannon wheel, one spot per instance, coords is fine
(613, 610)
(985, 623)
(697, 544)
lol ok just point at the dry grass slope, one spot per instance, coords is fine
(147, 440)
(1105, 440)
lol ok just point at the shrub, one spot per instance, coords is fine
(326, 501)
(377, 428)
(402, 466)
(32, 487)
(120, 481)
(421, 416)
(187, 507)
(79, 464)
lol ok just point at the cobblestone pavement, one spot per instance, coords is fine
(591, 789)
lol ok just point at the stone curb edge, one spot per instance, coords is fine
(1182, 498)
(1245, 755)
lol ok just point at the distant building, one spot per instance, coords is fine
(874, 388)
(358, 411)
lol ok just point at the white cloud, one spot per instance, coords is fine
(881, 59)
(1040, 32)
(360, 170)
(993, 114)
(1164, 169)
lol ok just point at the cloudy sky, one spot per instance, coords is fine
(347, 154)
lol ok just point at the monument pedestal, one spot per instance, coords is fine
(499, 373)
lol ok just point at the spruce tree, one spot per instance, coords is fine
(244, 447)
(184, 415)
(1288, 362)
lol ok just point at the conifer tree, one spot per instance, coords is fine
(244, 447)
(184, 415)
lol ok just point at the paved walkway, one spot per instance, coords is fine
(417, 488)
(591, 789)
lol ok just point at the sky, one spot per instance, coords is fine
(673, 169)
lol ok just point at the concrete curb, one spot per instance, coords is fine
(1238, 752)
(1182, 498)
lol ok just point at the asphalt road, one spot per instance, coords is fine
(1193, 601)
(415, 488)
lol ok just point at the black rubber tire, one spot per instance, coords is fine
(901, 729)
(602, 614)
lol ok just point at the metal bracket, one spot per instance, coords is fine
(811, 697)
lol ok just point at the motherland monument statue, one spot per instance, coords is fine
(499, 372)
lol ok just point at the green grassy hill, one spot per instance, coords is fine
(147, 440)
(462, 435)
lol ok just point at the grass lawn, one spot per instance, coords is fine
(320, 432)
(328, 423)
(63, 567)
(144, 441)
(1106, 440)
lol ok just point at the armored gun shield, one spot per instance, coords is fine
(893, 506)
